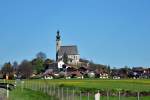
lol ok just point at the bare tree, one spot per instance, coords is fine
(25, 69)
(41, 55)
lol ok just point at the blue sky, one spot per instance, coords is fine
(114, 32)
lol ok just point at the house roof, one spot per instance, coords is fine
(53, 66)
(69, 50)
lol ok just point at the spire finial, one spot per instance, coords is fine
(58, 32)
(58, 35)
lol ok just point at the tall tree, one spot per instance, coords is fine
(47, 62)
(108, 69)
(125, 71)
(7, 69)
(15, 65)
(41, 55)
(25, 69)
(38, 65)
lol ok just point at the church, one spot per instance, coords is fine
(71, 51)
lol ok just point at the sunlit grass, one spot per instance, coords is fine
(133, 85)
(125, 84)
(27, 94)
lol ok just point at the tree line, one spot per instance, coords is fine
(38, 65)
(26, 68)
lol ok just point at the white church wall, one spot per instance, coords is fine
(60, 64)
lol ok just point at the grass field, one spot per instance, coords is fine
(126, 84)
(28, 94)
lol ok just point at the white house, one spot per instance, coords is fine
(60, 64)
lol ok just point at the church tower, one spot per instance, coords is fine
(58, 44)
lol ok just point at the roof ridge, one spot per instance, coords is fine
(68, 45)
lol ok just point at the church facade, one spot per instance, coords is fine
(71, 51)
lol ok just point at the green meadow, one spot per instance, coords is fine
(78, 84)
(28, 94)
(126, 84)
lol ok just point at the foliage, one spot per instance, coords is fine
(47, 62)
(41, 55)
(7, 69)
(38, 65)
(25, 69)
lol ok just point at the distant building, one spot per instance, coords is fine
(71, 51)
(60, 64)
